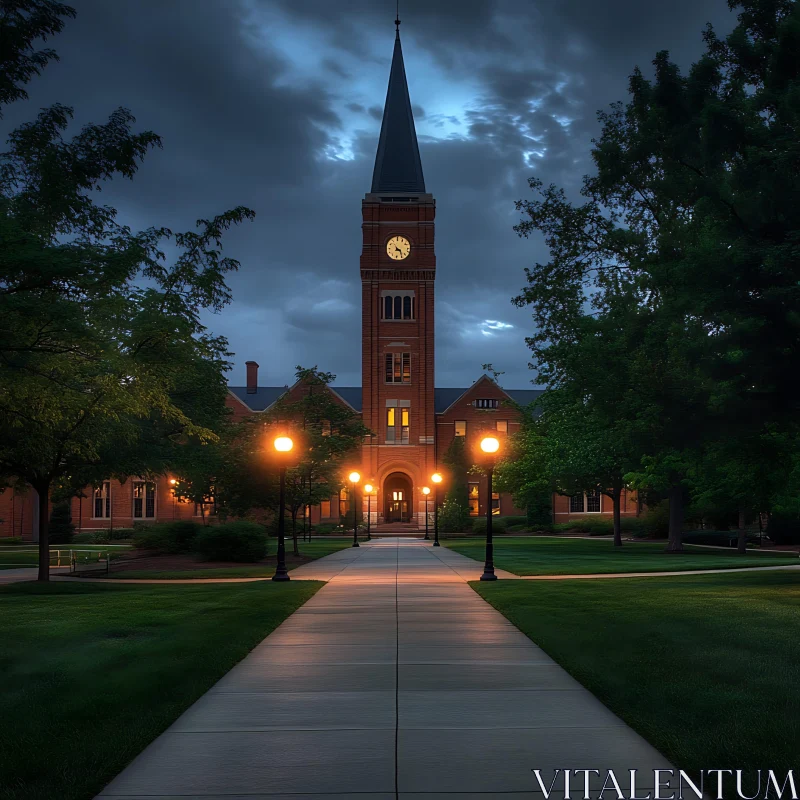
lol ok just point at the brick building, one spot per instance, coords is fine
(413, 421)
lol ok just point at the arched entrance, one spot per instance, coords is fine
(397, 498)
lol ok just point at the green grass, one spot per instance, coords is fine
(705, 667)
(92, 673)
(538, 555)
(308, 550)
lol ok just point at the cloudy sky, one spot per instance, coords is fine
(276, 105)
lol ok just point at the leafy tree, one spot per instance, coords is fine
(327, 435)
(98, 374)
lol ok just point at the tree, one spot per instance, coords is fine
(455, 509)
(524, 471)
(95, 370)
(326, 432)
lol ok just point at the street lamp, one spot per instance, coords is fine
(368, 488)
(426, 491)
(354, 479)
(437, 479)
(282, 445)
(490, 446)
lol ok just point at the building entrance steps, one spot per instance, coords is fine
(395, 680)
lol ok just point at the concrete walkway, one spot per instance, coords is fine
(395, 680)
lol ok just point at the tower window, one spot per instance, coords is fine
(398, 367)
(486, 402)
(400, 305)
(397, 427)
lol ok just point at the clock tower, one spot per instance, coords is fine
(398, 268)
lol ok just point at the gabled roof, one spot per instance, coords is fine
(350, 394)
(444, 399)
(261, 399)
(398, 167)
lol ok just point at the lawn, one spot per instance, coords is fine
(92, 673)
(309, 551)
(541, 555)
(705, 667)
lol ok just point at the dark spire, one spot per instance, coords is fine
(397, 164)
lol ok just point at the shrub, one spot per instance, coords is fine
(167, 537)
(655, 521)
(784, 528)
(7, 540)
(325, 528)
(61, 528)
(717, 538)
(509, 521)
(454, 518)
(234, 541)
(498, 524)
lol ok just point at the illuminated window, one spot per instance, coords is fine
(502, 425)
(474, 500)
(102, 500)
(495, 504)
(343, 502)
(398, 367)
(486, 403)
(397, 495)
(325, 509)
(397, 425)
(461, 427)
(144, 500)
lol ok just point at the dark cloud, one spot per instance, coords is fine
(276, 104)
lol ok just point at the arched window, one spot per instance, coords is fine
(387, 311)
(398, 307)
(407, 307)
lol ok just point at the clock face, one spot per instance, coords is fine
(398, 248)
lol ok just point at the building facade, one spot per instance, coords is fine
(413, 421)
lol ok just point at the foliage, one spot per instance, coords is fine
(62, 529)
(499, 524)
(179, 536)
(454, 517)
(234, 541)
(685, 256)
(456, 463)
(655, 520)
(106, 369)
(784, 528)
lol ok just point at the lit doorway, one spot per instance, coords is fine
(397, 498)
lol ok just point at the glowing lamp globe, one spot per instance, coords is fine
(354, 477)
(425, 490)
(172, 481)
(368, 488)
(490, 445)
(283, 444)
(436, 477)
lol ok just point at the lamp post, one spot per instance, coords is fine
(490, 446)
(282, 445)
(368, 488)
(426, 491)
(437, 479)
(354, 479)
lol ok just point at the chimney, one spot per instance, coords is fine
(252, 377)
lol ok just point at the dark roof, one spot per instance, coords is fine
(397, 164)
(350, 394)
(442, 398)
(263, 397)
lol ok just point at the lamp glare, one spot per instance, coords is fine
(490, 445)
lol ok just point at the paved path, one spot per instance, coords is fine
(395, 680)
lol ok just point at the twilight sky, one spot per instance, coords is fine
(276, 104)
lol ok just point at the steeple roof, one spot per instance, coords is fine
(397, 164)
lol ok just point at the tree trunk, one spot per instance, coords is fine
(43, 492)
(741, 543)
(296, 549)
(675, 543)
(616, 499)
